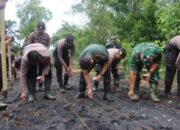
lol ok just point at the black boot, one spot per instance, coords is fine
(40, 87)
(62, 88)
(178, 90)
(107, 97)
(66, 78)
(80, 95)
(95, 85)
(47, 94)
(116, 83)
(3, 106)
(167, 90)
(31, 87)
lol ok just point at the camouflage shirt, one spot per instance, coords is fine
(144, 54)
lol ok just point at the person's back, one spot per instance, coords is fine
(145, 50)
(98, 51)
(175, 41)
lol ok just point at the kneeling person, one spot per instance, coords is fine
(33, 55)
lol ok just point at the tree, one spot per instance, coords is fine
(168, 20)
(11, 28)
(100, 25)
(30, 12)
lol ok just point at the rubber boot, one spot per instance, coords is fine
(95, 85)
(47, 95)
(153, 92)
(136, 94)
(66, 78)
(82, 87)
(31, 87)
(116, 83)
(136, 88)
(80, 95)
(62, 88)
(3, 106)
(167, 90)
(178, 90)
(40, 87)
(106, 95)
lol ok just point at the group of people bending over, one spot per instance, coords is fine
(36, 66)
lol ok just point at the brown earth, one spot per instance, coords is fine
(69, 113)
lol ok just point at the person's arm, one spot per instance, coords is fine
(132, 76)
(45, 71)
(24, 69)
(152, 69)
(59, 52)
(104, 69)
(88, 82)
(178, 62)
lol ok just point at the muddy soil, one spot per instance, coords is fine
(69, 113)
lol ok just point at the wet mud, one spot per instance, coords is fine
(69, 113)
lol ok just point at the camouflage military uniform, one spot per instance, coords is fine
(146, 50)
(145, 54)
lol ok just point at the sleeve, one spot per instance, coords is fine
(133, 63)
(158, 58)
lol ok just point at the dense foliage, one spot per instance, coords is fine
(132, 21)
(30, 12)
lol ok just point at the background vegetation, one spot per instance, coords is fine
(132, 21)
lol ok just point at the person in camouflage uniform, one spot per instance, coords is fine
(148, 55)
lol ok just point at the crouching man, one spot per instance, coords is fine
(91, 55)
(34, 54)
(148, 55)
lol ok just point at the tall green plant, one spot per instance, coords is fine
(30, 12)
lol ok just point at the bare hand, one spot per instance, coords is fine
(69, 72)
(23, 96)
(41, 79)
(98, 78)
(130, 93)
(146, 76)
(90, 93)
